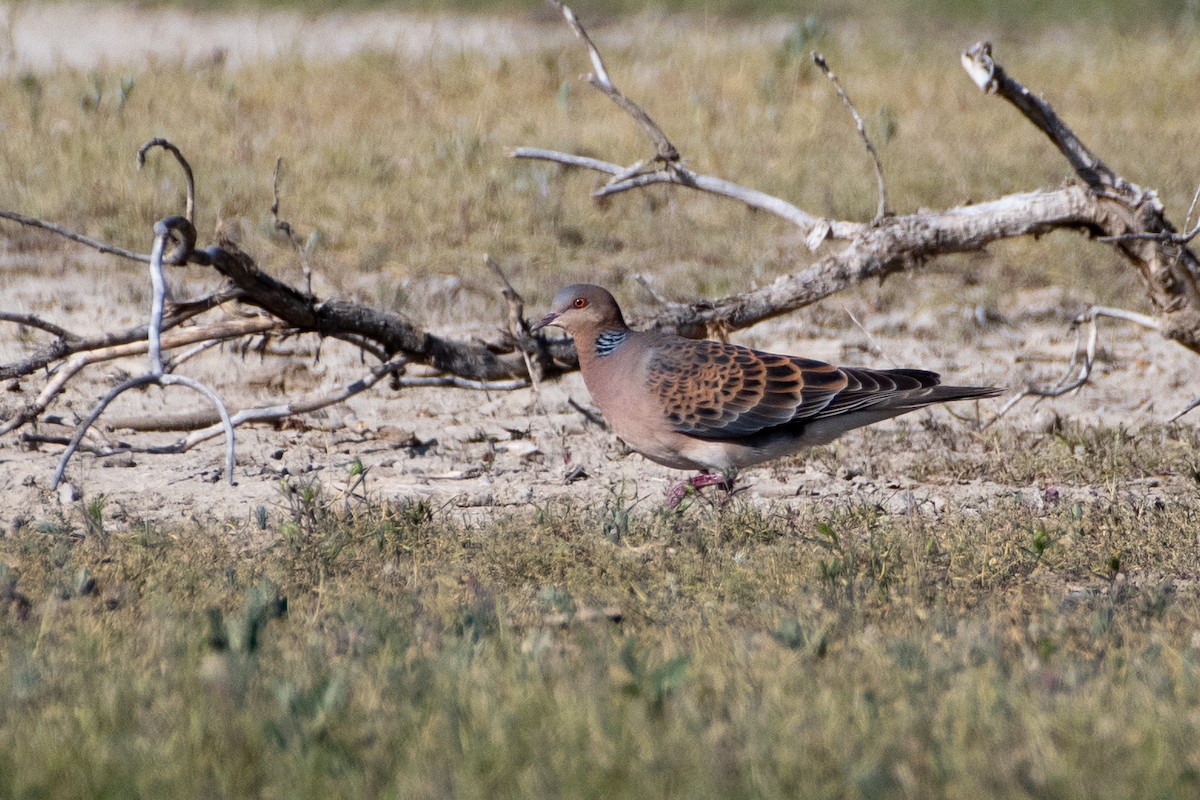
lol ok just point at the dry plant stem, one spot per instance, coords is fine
(1177, 238)
(518, 328)
(1188, 408)
(285, 228)
(587, 413)
(882, 210)
(164, 230)
(1083, 357)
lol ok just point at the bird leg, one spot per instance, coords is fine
(697, 482)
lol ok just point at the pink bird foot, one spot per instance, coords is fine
(695, 484)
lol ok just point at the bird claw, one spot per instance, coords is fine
(694, 484)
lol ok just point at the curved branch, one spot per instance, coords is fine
(163, 230)
(190, 208)
(277, 412)
(82, 429)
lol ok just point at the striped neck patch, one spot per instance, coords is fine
(608, 341)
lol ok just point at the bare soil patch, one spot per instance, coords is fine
(486, 452)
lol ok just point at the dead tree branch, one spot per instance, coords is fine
(992, 79)
(882, 210)
(289, 311)
(666, 151)
(164, 232)
(66, 233)
(284, 410)
(34, 321)
(189, 210)
(1106, 206)
(1123, 212)
(65, 371)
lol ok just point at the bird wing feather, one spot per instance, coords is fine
(715, 390)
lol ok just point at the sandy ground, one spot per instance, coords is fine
(484, 453)
(468, 450)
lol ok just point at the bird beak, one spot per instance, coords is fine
(546, 320)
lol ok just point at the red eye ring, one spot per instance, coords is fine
(580, 302)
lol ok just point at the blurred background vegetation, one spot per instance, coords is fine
(1003, 13)
(395, 164)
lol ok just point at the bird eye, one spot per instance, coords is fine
(580, 302)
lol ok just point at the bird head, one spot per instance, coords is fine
(582, 307)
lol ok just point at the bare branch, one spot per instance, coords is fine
(137, 337)
(34, 321)
(882, 210)
(991, 78)
(666, 151)
(1187, 409)
(464, 383)
(753, 198)
(63, 373)
(1124, 212)
(75, 237)
(190, 209)
(285, 410)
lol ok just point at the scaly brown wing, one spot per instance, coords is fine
(722, 391)
(719, 391)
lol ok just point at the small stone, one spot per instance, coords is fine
(67, 493)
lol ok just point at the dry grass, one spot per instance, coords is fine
(397, 167)
(784, 652)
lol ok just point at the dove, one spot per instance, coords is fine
(715, 407)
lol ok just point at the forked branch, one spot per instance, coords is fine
(164, 232)
(1108, 207)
